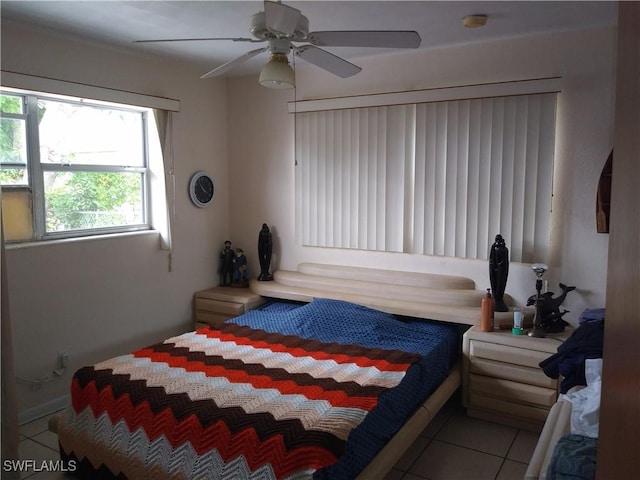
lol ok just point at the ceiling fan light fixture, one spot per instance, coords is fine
(277, 73)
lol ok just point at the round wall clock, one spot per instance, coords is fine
(201, 189)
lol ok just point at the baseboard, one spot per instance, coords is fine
(43, 409)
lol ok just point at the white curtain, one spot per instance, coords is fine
(161, 166)
(437, 178)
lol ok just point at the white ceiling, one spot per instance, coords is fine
(119, 23)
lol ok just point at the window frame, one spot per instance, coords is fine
(36, 169)
(17, 116)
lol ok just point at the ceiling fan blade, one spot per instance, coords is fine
(280, 18)
(225, 67)
(232, 39)
(364, 38)
(330, 62)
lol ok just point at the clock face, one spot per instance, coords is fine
(201, 189)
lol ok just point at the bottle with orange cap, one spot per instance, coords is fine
(486, 308)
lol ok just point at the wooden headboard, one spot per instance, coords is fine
(422, 295)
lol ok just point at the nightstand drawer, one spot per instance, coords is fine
(518, 373)
(208, 305)
(508, 410)
(507, 354)
(512, 391)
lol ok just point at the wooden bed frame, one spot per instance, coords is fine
(422, 295)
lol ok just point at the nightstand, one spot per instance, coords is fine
(502, 381)
(217, 304)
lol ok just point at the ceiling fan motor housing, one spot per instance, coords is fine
(260, 31)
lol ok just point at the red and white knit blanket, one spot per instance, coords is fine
(232, 402)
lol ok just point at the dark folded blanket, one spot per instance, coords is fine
(574, 458)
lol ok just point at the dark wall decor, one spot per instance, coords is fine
(603, 199)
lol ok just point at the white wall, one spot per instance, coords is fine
(101, 297)
(261, 161)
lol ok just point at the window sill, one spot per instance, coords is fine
(88, 238)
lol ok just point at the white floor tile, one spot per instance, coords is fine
(36, 452)
(478, 434)
(33, 428)
(523, 446)
(512, 470)
(30, 450)
(48, 439)
(443, 461)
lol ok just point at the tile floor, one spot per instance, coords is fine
(39, 444)
(457, 447)
(452, 447)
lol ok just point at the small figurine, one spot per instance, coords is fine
(265, 247)
(498, 272)
(552, 321)
(241, 270)
(227, 259)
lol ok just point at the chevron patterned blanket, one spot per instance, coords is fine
(233, 402)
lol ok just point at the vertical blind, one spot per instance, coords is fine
(352, 176)
(436, 178)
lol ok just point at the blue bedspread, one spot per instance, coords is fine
(346, 323)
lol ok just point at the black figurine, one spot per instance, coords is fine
(227, 259)
(551, 321)
(265, 248)
(498, 272)
(240, 269)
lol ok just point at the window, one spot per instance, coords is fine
(72, 167)
(438, 177)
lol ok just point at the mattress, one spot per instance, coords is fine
(286, 391)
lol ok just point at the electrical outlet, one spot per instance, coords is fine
(63, 359)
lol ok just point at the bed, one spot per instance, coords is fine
(332, 379)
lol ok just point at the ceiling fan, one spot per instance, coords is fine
(281, 26)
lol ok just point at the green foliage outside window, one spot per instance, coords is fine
(81, 200)
(11, 140)
(10, 104)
